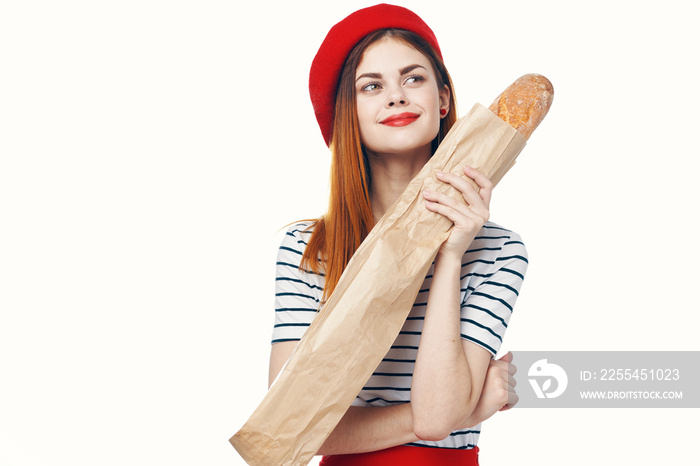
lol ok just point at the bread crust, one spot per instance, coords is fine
(525, 103)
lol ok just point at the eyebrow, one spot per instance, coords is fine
(402, 72)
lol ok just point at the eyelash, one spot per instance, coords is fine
(418, 78)
(366, 86)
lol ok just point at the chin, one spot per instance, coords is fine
(402, 146)
(399, 144)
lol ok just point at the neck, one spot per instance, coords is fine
(391, 173)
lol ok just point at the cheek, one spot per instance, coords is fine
(365, 116)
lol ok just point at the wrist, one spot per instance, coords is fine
(447, 259)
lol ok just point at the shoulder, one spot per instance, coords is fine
(296, 238)
(293, 247)
(495, 248)
(504, 241)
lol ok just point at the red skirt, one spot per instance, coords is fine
(407, 456)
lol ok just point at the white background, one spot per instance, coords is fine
(152, 151)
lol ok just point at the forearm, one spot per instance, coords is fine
(488, 405)
(475, 418)
(440, 393)
(370, 429)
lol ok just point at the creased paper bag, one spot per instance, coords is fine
(357, 326)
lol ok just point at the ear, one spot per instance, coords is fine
(444, 94)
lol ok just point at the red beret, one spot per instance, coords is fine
(341, 39)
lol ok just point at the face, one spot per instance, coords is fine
(398, 99)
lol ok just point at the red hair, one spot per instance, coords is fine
(349, 219)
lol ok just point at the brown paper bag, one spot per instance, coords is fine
(361, 320)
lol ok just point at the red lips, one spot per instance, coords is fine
(400, 119)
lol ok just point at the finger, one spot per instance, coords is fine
(460, 213)
(506, 367)
(483, 181)
(468, 190)
(501, 366)
(508, 357)
(463, 221)
(513, 399)
(511, 381)
(444, 199)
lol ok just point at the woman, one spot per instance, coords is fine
(384, 101)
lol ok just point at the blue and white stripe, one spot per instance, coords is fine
(492, 273)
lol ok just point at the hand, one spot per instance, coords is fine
(498, 393)
(468, 213)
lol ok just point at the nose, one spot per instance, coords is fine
(396, 97)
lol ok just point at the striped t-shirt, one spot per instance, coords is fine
(492, 272)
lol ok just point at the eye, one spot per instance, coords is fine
(370, 87)
(414, 79)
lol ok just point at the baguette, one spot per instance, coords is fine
(525, 103)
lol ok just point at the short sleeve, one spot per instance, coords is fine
(487, 309)
(297, 293)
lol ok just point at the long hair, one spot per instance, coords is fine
(348, 220)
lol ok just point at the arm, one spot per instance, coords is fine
(498, 393)
(449, 373)
(370, 429)
(375, 428)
